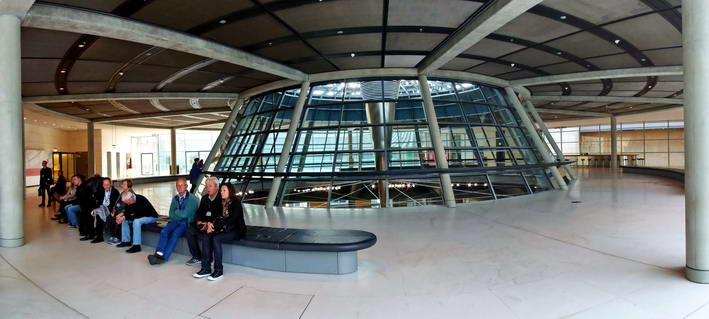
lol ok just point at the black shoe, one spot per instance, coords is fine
(155, 259)
(193, 261)
(61, 221)
(97, 240)
(40, 205)
(54, 218)
(123, 244)
(216, 275)
(86, 238)
(134, 249)
(204, 272)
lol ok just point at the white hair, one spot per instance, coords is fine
(213, 180)
(127, 196)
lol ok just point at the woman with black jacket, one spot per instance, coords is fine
(218, 227)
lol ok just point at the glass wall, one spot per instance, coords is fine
(366, 143)
(657, 144)
(191, 145)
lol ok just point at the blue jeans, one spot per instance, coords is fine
(136, 223)
(169, 237)
(72, 211)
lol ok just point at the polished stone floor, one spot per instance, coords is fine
(610, 247)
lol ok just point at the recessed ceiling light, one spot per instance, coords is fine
(25, 118)
(222, 21)
(512, 65)
(649, 86)
(352, 54)
(558, 53)
(61, 89)
(270, 44)
(340, 32)
(120, 73)
(512, 40)
(562, 17)
(148, 54)
(643, 59)
(62, 71)
(81, 45)
(616, 41)
(421, 29)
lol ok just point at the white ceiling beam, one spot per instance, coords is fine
(605, 99)
(182, 73)
(200, 124)
(160, 114)
(572, 112)
(38, 108)
(600, 75)
(129, 96)
(58, 18)
(493, 17)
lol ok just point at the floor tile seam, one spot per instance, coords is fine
(697, 310)
(280, 292)
(42, 289)
(591, 307)
(306, 306)
(509, 308)
(572, 244)
(220, 301)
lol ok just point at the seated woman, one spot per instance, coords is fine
(217, 227)
(58, 190)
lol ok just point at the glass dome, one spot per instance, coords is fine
(366, 143)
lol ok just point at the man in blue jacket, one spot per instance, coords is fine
(182, 214)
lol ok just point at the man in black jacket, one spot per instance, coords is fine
(209, 205)
(105, 201)
(45, 180)
(138, 212)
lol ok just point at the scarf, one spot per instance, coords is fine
(225, 207)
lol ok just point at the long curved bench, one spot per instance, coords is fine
(287, 249)
(673, 173)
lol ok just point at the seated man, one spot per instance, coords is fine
(105, 201)
(138, 211)
(182, 213)
(210, 204)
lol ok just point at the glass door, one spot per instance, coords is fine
(146, 164)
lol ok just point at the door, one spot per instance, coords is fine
(146, 164)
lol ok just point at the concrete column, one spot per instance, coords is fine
(439, 152)
(11, 127)
(614, 143)
(536, 140)
(695, 20)
(559, 155)
(288, 144)
(173, 151)
(91, 157)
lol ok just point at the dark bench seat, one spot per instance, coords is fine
(287, 249)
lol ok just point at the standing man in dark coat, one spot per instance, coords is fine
(194, 174)
(45, 180)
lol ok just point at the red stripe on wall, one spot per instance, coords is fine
(32, 171)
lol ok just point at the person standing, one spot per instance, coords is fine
(182, 213)
(226, 224)
(45, 180)
(194, 174)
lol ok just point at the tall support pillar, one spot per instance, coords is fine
(614, 143)
(91, 156)
(173, 151)
(559, 154)
(288, 144)
(220, 143)
(438, 151)
(11, 125)
(536, 140)
(695, 20)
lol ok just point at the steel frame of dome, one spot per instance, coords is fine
(539, 158)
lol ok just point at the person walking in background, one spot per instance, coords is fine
(194, 174)
(45, 180)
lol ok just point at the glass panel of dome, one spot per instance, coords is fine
(448, 112)
(470, 92)
(462, 158)
(409, 89)
(537, 180)
(496, 157)
(253, 106)
(494, 95)
(313, 163)
(409, 111)
(271, 101)
(504, 117)
(291, 98)
(455, 136)
(321, 115)
(507, 184)
(352, 91)
(266, 164)
(282, 120)
(477, 113)
(354, 114)
(470, 189)
(355, 139)
(407, 159)
(442, 91)
(414, 192)
(274, 143)
(514, 137)
(487, 136)
(350, 162)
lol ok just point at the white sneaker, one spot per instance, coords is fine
(215, 276)
(201, 274)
